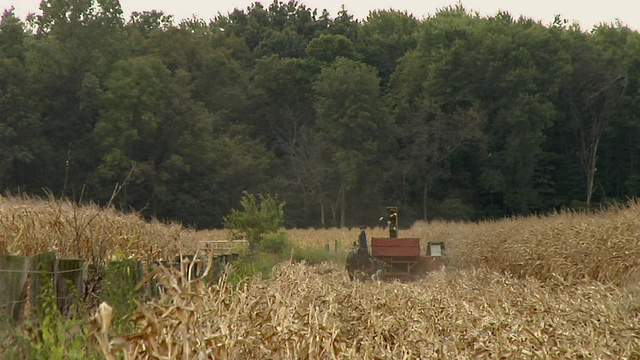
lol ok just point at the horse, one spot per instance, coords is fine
(360, 265)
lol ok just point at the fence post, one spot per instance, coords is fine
(336, 246)
(43, 269)
(69, 284)
(13, 278)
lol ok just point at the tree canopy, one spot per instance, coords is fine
(455, 116)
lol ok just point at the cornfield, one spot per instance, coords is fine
(30, 226)
(307, 312)
(560, 286)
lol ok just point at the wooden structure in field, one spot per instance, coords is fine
(26, 279)
(403, 257)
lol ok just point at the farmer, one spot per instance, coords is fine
(362, 240)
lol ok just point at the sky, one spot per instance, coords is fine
(586, 12)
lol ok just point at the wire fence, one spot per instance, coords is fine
(41, 271)
(25, 280)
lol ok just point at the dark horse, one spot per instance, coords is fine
(360, 265)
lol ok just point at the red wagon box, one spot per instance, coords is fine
(395, 247)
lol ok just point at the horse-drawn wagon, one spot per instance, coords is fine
(394, 257)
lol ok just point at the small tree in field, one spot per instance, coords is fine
(260, 215)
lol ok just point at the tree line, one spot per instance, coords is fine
(454, 116)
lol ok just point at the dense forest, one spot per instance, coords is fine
(454, 116)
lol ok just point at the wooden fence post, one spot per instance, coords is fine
(13, 278)
(42, 269)
(69, 284)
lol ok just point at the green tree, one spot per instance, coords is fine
(525, 81)
(282, 97)
(595, 92)
(131, 124)
(353, 120)
(215, 65)
(624, 150)
(326, 48)
(21, 141)
(282, 29)
(494, 74)
(260, 216)
(385, 37)
(147, 22)
(180, 160)
(76, 43)
(344, 25)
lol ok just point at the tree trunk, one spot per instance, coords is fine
(590, 133)
(424, 199)
(342, 208)
(322, 213)
(333, 215)
(591, 171)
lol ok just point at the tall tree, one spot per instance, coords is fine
(77, 43)
(482, 73)
(526, 66)
(180, 161)
(594, 93)
(428, 135)
(385, 37)
(326, 48)
(352, 117)
(21, 141)
(282, 28)
(282, 92)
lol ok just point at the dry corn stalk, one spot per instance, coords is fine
(308, 312)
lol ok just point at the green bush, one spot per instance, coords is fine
(276, 243)
(49, 335)
(119, 291)
(246, 268)
(259, 217)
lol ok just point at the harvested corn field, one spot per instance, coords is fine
(313, 312)
(551, 287)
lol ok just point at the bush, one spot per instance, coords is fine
(260, 216)
(276, 243)
(119, 291)
(248, 267)
(49, 335)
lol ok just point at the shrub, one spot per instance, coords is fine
(119, 290)
(260, 216)
(276, 243)
(49, 335)
(249, 267)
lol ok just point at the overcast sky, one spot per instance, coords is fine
(586, 12)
